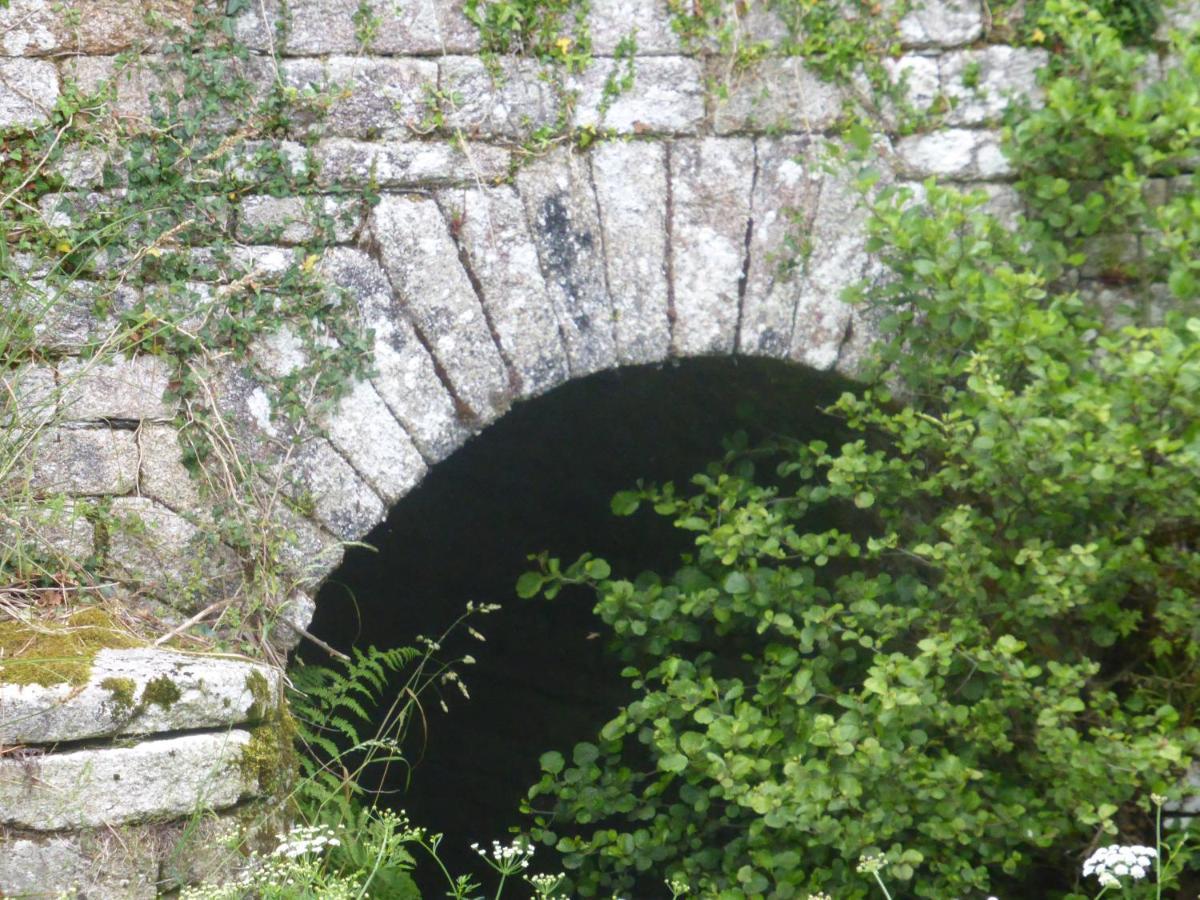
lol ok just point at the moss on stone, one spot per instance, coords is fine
(269, 759)
(122, 690)
(161, 691)
(260, 693)
(58, 652)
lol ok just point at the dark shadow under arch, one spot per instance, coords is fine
(541, 479)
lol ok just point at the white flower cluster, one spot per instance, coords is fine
(1112, 863)
(305, 839)
(511, 858)
(545, 886)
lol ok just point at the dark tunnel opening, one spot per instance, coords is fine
(541, 478)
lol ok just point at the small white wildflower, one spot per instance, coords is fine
(1112, 863)
(872, 863)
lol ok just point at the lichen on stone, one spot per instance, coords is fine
(58, 651)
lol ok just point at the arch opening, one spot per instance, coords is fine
(541, 478)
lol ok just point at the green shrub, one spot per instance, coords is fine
(967, 638)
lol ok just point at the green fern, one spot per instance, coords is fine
(333, 707)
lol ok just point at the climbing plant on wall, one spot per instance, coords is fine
(963, 645)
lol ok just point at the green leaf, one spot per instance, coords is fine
(625, 503)
(736, 583)
(673, 762)
(551, 762)
(529, 584)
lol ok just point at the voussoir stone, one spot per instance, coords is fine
(711, 180)
(359, 424)
(441, 303)
(129, 691)
(494, 235)
(564, 220)
(632, 190)
(297, 220)
(783, 207)
(166, 777)
(407, 379)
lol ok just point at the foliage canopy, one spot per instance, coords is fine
(967, 638)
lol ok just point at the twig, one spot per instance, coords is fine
(304, 633)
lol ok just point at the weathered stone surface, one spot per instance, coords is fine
(360, 425)
(921, 79)
(561, 207)
(942, 23)
(115, 389)
(96, 864)
(311, 553)
(837, 259)
(711, 181)
(503, 262)
(55, 530)
(441, 302)
(87, 788)
(667, 96)
(631, 192)
(783, 206)
(82, 461)
(28, 395)
(134, 82)
(317, 27)
(980, 83)
(297, 610)
(777, 94)
(407, 381)
(952, 153)
(86, 27)
(129, 691)
(295, 220)
(28, 89)
(477, 103)
(167, 556)
(392, 164)
(62, 313)
(384, 98)
(163, 475)
(304, 465)
(649, 21)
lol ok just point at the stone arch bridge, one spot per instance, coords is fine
(486, 275)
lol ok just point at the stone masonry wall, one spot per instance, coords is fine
(485, 283)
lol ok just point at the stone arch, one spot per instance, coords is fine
(482, 296)
(487, 279)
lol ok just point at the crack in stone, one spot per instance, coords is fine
(462, 410)
(744, 279)
(612, 312)
(515, 382)
(669, 256)
(810, 222)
